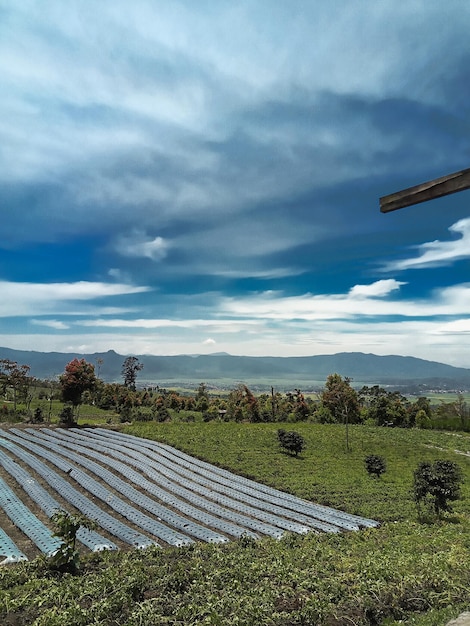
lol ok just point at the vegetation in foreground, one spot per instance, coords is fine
(410, 570)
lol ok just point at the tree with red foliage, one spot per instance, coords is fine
(79, 376)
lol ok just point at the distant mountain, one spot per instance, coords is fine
(223, 369)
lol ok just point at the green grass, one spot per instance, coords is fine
(87, 412)
(404, 572)
(437, 398)
(325, 472)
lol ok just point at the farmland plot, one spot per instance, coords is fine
(139, 493)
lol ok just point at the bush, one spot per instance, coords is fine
(375, 465)
(323, 415)
(38, 417)
(141, 416)
(436, 484)
(162, 415)
(422, 420)
(188, 417)
(67, 417)
(67, 558)
(292, 442)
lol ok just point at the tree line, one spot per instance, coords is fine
(337, 402)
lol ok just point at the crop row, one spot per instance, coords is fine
(139, 493)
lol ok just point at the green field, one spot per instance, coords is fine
(407, 571)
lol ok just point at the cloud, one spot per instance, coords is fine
(255, 312)
(215, 325)
(455, 327)
(439, 253)
(428, 339)
(56, 324)
(140, 245)
(200, 146)
(21, 299)
(378, 289)
(128, 117)
(361, 302)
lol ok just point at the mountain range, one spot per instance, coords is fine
(225, 370)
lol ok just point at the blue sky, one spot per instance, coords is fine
(196, 177)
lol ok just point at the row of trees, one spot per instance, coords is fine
(78, 383)
(338, 402)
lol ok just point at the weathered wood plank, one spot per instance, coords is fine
(458, 181)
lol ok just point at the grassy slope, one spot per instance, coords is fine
(404, 570)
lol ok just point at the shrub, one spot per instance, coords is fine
(67, 558)
(422, 419)
(67, 417)
(189, 417)
(323, 415)
(292, 442)
(162, 415)
(38, 417)
(436, 484)
(375, 465)
(141, 416)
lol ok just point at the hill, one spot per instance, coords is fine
(225, 370)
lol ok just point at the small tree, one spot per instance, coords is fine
(292, 442)
(67, 558)
(16, 377)
(38, 417)
(437, 484)
(130, 367)
(375, 465)
(422, 420)
(67, 418)
(79, 376)
(342, 401)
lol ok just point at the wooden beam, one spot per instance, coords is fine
(426, 191)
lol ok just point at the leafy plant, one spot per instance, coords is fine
(291, 441)
(436, 484)
(375, 465)
(79, 376)
(67, 557)
(67, 418)
(38, 417)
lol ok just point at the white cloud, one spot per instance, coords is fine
(456, 327)
(56, 324)
(453, 300)
(215, 325)
(138, 244)
(425, 339)
(270, 323)
(375, 290)
(439, 253)
(53, 298)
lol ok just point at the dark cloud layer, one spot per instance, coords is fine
(220, 152)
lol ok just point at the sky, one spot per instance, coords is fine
(182, 177)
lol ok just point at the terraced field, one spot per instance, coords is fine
(139, 492)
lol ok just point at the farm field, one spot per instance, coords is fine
(405, 571)
(164, 497)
